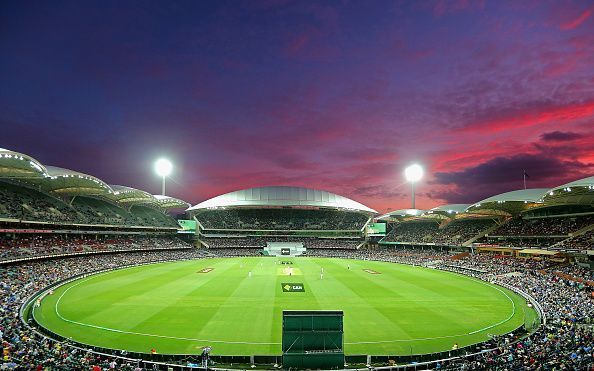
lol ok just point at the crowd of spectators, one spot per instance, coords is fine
(30, 205)
(461, 230)
(282, 219)
(455, 232)
(582, 242)
(23, 203)
(558, 226)
(24, 349)
(415, 231)
(566, 342)
(26, 246)
(519, 232)
(261, 242)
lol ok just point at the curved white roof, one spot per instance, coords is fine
(522, 195)
(402, 213)
(585, 182)
(451, 208)
(168, 202)
(282, 196)
(18, 165)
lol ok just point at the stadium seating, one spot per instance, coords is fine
(26, 204)
(281, 219)
(455, 232)
(29, 246)
(260, 242)
(542, 232)
(559, 226)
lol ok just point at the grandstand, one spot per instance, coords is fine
(252, 217)
(560, 219)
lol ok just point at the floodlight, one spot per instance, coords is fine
(413, 173)
(163, 167)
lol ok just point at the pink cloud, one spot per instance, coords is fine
(576, 22)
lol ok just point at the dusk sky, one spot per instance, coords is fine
(333, 95)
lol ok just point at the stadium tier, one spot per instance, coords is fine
(253, 217)
(282, 219)
(455, 232)
(261, 242)
(19, 203)
(26, 246)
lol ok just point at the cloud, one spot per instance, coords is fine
(576, 22)
(560, 136)
(503, 174)
(537, 115)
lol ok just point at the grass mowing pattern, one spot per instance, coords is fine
(402, 310)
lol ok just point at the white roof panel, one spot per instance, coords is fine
(282, 196)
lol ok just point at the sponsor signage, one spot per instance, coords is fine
(293, 287)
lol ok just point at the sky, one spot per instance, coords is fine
(333, 95)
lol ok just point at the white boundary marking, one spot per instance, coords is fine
(494, 286)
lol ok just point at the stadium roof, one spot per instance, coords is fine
(510, 203)
(17, 165)
(70, 182)
(445, 211)
(578, 192)
(167, 202)
(282, 196)
(131, 196)
(402, 213)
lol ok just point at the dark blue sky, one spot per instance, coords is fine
(332, 95)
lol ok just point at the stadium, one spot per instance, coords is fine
(109, 276)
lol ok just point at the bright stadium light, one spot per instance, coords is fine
(413, 174)
(163, 168)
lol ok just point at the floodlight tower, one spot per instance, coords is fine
(413, 173)
(163, 168)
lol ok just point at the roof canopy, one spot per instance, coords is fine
(131, 196)
(60, 181)
(70, 182)
(578, 192)
(446, 211)
(17, 165)
(402, 213)
(282, 196)
(509, 203)
(167, 203)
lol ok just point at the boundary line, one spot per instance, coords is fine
(494, 286)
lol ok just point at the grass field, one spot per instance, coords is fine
(176, 308)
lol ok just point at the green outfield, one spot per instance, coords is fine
(177, 308)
